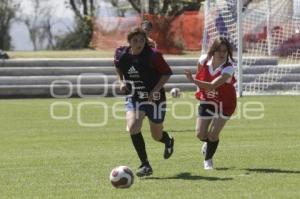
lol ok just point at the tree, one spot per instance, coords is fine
(81, 37)
(39, 26)
(162, 14)
(8, 11)
(167, 7)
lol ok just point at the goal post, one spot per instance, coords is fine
(265, 35)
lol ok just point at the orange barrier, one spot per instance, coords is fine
(172, 35)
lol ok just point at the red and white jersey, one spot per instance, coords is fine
(224, 94)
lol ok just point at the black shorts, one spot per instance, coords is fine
(155, 111)
(208, 110)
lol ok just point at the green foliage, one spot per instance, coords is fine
(78, 39)
(7, 13)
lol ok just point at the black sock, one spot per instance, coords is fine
(165, 138)
(139, 145)
(211, 149)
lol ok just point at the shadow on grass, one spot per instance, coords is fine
(266, 170)
(188, 176)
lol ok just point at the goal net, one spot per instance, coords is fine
(270, 58)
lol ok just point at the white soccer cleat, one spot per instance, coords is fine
(208, 164)
(204, 148)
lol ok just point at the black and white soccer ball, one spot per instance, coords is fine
(175, 92)
(121, 177)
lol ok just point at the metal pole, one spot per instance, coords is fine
(269, 28)
(205, 33)
(240, 47)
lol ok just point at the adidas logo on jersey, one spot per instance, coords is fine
(132, 70)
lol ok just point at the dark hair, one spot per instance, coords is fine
(216, 45)
(136, 31)
(147, 51)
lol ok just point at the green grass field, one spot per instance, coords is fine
(42, 157)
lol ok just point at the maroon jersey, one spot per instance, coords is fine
(143, 71)
(224, 96)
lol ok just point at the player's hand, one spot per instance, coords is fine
(189, 75)
(151, 43)
(153, 96)
(123, 87)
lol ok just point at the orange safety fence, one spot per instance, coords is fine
(172, 35)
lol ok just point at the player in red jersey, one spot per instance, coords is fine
(215, 81)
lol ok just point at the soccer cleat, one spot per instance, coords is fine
(144, 170)
(169, 148)
(208, 164)
(204, 148)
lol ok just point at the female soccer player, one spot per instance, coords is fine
(215, 81)
(142, 72)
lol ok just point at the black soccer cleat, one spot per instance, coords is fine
(169, 148)
(144, 170)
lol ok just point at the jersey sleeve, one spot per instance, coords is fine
(202, 59)
(117, 55)
(160, 64)
(228, 70)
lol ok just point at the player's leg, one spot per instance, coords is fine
(206, 112)
(134, 124)
(156, 115)
(160, 135)
(213, 137)
(202, 126)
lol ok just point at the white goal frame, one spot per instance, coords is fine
(243, 26)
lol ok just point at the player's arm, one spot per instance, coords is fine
(162, 81)
(120, 75)
(208, 85)
(123, 86)
(151, 42)
(164, 70)
(154, 93)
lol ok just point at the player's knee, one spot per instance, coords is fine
(156, 136)
(132, 129)
(201, 135)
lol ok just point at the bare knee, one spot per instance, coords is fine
(156, 131)
(133, 129)
(201, 135)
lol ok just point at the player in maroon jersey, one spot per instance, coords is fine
(142, 72)
(216, 93)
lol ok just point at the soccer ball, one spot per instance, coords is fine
(121, 177)
(175, 92)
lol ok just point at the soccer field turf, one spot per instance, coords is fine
(56, 153)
